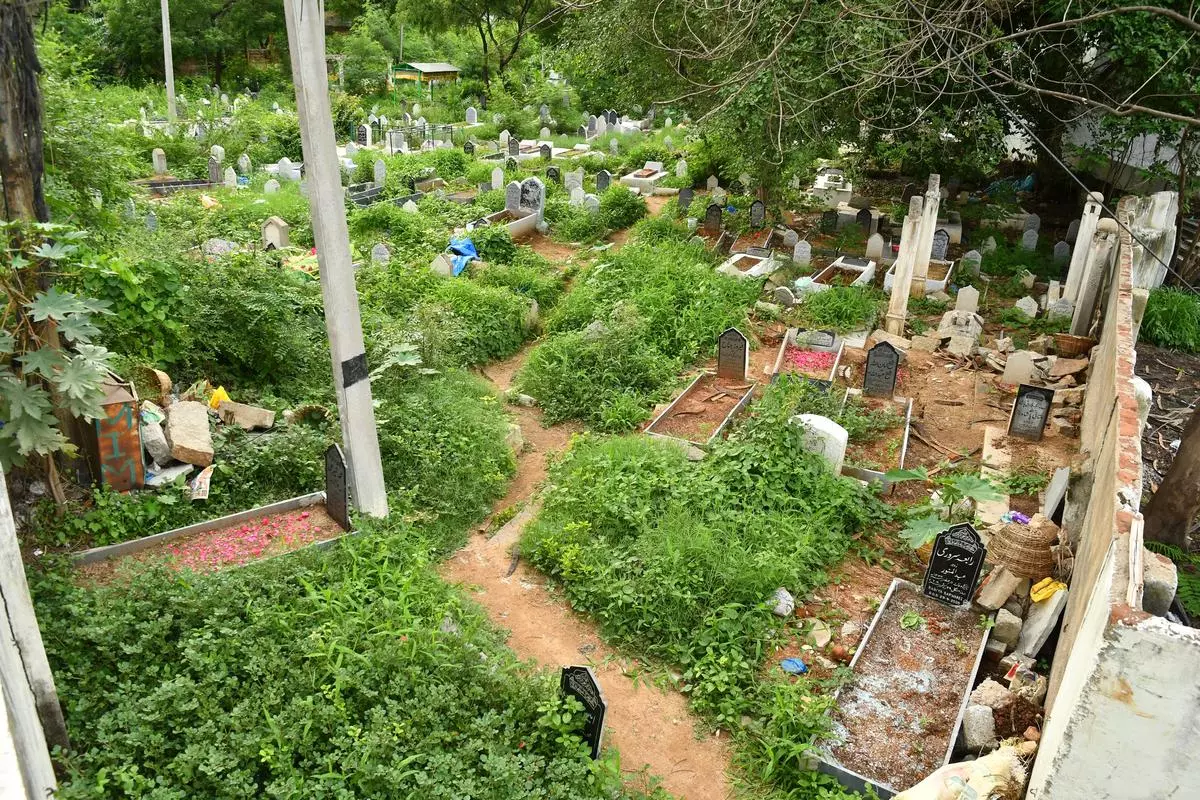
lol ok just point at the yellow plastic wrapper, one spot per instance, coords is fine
(209, 202)
(1045, 588)
(219, 396)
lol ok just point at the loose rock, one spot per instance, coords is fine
(188, 434)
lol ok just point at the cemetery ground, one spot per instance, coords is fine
(535, 521)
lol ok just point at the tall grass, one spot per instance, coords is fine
(1172, 319)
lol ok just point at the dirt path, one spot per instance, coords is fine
(651, 729)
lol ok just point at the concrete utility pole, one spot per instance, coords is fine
(306, 41)
(168, 64)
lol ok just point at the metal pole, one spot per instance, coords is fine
(168, 64)
(306, 39)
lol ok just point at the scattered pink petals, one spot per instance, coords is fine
(256, 538)
(809, 362)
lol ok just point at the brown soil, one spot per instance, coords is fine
(837, 276)
(896, 718)
(548, 248)
(1174, 378)
(747, 263)
(227, 546)
(651, 728)
(702, 409)
(937, 270)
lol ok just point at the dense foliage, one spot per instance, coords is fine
(1172, 319)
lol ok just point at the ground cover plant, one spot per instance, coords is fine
(354, 672)
(841, 308)
(628, 326)
(678, 560)
(1172, 319)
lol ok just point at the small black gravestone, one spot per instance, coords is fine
(363, 135)
(612, 117)
(879, 375)
(863, 218)
(941, 242)
(685, 198)
(829, 221)
(712, 218)
(885, 224)
(485, 186)
(733, 355)
(545, 152)
(337, 488)
(469, 148)
(554, 174)
(1030, 411)
(954, 565)
(758, 214)
(514, 146)
(511, 164)
(759, 252)
(816, 339)
(603, 180)
(582, 132)
(376, 129)
(580, 683)
(910, 191)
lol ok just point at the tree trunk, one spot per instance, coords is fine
(483, 40)
(1169, 513)
(20, 117)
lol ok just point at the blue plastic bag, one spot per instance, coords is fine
(462, 252)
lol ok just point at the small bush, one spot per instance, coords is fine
(1172, 319)
(620, 207)
(842, 308)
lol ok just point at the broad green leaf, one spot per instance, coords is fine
(77, 328)
(44, 361)
(976, 488)
(94, 353)
(79, 379)
(95, 306)
(24, 400)
(19, 262)
(921, 531)
(7, 342)
(900, 475)
(54, 305)
(54, 252)
(36, 436)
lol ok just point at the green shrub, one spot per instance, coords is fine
(529, 274)
(620, 207)
(578, 225)
(842, 308)
(349, 672)
(1172, 319)
(494, 321)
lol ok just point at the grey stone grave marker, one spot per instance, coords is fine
(954, 565)
(733, 355)
(545, 152)
(802, 252)
(1073, 231)
(380, 172)
(1030, 411)
(758, 214)
(244, 165)
(151, 222)
(879, 374)
(554, 174)
(512, 197)
(712, 218)
(941, 243)
(1033, 222)
(472, 115)
(363, 135)
(1062, 253)
(1029, 239)
(829, 221)
(159, 159)
(214, 170)
(712, 183)
(514, 146)
(380, 253)
(685, 199)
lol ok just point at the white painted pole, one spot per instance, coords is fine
(168, 64)
(929, 215)
(1083, 245)
(306, 40)
(897, 312)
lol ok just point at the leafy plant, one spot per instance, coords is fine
(48, 361)
(842, 308)
(911, 620)
(1172, 319)
(957, 497)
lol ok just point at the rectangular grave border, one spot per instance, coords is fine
(865, 274)
(823, 762)
(716, 434)
(931, 285)
(107, 552)
(872, 475)
(790, 339)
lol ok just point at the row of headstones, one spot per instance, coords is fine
(528, 195)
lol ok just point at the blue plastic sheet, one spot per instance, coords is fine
(794, 666)
(462, 252)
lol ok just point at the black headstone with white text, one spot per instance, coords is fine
(1030, 411)
(469, 148)
(758, 214)
(733, 355)
(363, 135)
(712, 218)
(545, 152)
(879, 374)
(580, 683)
(554, 174)
(337, 487)
(954, 565)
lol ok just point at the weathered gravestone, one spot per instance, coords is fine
(469, 147)
(863, 219)
(472, 115)
(733, 355)
(802, 252)
(712, 183)
(591, 203)
(824, 437)
(380, 253)
(685, 199)
(1033, 222)
(514, 147)
(954, 565)
(545, 151)
(941, 243)
(790, 237)
(591, 125)
(217, 152)
(712, 218)
(1027, 306)
(988, 246)
(603, 180)
(544, 133)
(351, 149)
(829, 221)
(969, 266)
(1030, 411)
(967, 299)
(243, 164)
(576, 198)
(275, 234)
(380, 172)
(271, 186)
(681, 168)
(1062, 253)
(1029, 240)
(533, 196)
(504, 137)
(758, 214)
(879, 374)
(337, 487)
(151, 222)
(544, 112)
(497, 178)
(512, 198)
(159, 158)
(910, 191)
(554, 174)
(1073, 231)
(874, 250)
(823, 341)
(214, 170)
(231, 178)
(580, 683)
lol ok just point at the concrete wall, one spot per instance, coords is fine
(1123, 719)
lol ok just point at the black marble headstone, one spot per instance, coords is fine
(363, 136)
(603, 180)
(863, 218)
(469, 148)
(879, 375)
(712, 218)
(545, 152)
(733, 352)
(758, 214)
(554, 174)
(580, 683)
(337, 487)
(829, 221)
(954, 565)
(685, 198)
(1030, 411)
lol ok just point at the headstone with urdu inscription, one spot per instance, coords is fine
(580, 683)
(712, 218)
(758, 214)
(469, 147)
(337, 487)
(514, 146)
(941, 243)
(554, 175)
(733, 355)
(603, 180)
(879, 374)
(954, 565)
(545, 152)
(1030, 411)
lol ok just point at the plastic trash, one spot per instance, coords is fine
(201, 483)
(219, 396)
(793, 666)
(1014, 516)
(462, 252)
(1045, 588)
(1000, 775)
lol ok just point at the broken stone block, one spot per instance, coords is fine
(1027, 306)
(246, 417)
(999, 587)
(961, 345)
(961, 323)
(515, 439)
(785, 604)
(1021, 367)
(1070, 397)
(1067, 366)
(188, 433)
(1065, 427)
(1160, 582)
(880, 335)
(991, 694)
(1039, 345)
(1005, 345)
(1007, 628)
(155, 442)
(979, 729)
(1041, 621)
(925, 344)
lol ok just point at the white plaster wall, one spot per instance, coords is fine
(1135, 730)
